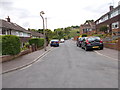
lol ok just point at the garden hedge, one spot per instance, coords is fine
(39, 42)
(10, 45)
(84, 35)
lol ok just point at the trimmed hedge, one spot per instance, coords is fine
(39, 42)
(84, 35)
(10, 45)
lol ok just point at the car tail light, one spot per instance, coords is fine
(101, 41)
(87, 42)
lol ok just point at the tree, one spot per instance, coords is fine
(40, 31)
(104, 28)
(59, 33)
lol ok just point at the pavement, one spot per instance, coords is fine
(110, 53)
(23, 61)
(28, 59)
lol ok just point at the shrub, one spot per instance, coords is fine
(100, 35)
(84, 35)
(10, 45)
(104, 28)
(37, 42)
(25, 47)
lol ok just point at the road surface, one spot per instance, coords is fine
(66, 66)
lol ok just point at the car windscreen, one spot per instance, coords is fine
(81, 39)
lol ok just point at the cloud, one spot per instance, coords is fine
(60, 13)
(6, 5)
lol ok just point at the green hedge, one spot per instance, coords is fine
(37, 42)
(10, 45)
(84, 35)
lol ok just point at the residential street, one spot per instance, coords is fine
(67, 66)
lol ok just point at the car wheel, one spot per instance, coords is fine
(77, 45)
(101, 48)
(82, 47)
(86, 49)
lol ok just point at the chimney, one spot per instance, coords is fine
(111, 8)
(8, 19)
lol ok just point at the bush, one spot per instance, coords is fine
(100, 35)
(84, 35)
(10, 45)
(25, 47)
(37, 42)
(104, 28)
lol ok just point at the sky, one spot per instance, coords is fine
(59, 13)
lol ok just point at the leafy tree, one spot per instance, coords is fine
(74, 33)
(39, 42)
(40, 31)
(104, 29)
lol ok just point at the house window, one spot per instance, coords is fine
(17, 33)
(13, 32)
(115, 25)
(21, 33)
(114, 13)
(3, 32)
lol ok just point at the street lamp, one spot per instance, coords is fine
(42, 12)
(46, 22)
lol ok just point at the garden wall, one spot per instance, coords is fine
(5, 58)
(112, 46)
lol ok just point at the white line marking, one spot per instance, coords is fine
(26, 67)
(38, 59)
(105, 55)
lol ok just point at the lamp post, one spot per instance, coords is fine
(46, 22)
(42, 12)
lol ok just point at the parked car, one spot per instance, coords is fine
(54, 42)
(91, 43)
(62, 40)
(79, 41)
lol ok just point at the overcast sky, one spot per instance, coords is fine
(59, 13)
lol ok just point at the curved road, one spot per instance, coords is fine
(66, 66)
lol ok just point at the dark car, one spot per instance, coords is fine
(79, 41)
(91, 43)
(54, 42)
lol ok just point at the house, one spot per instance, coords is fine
(111, 20)
(10, 28)
(35, 34)
(88, 27)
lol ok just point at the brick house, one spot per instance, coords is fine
(88, 27)
(111, 19)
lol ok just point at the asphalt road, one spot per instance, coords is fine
(66, 66)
